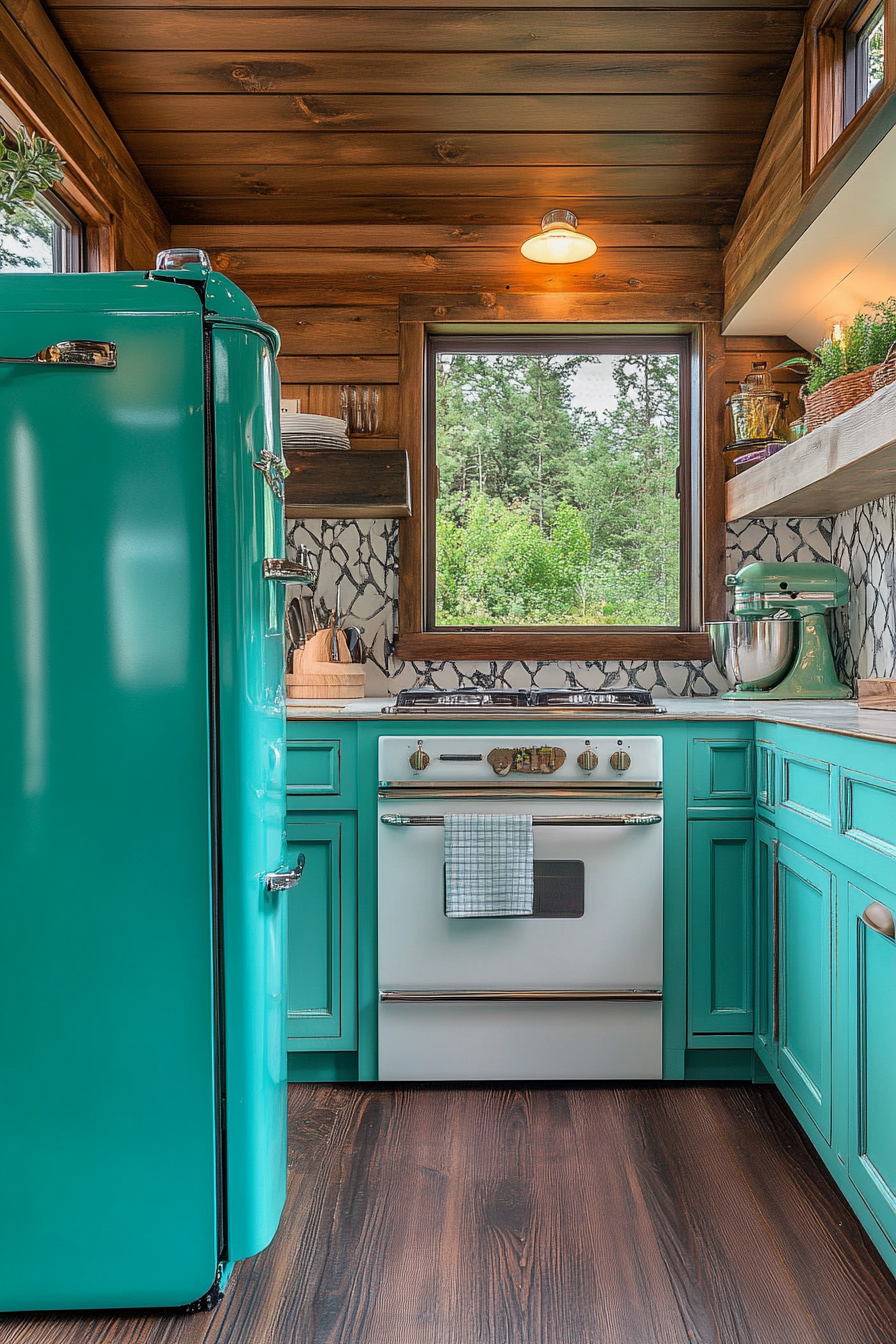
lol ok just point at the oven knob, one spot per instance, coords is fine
(418, 759)
(620, 760)
(587, 759)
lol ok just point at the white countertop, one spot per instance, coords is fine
(829, 716)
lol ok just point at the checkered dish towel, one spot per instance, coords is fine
(488, 865)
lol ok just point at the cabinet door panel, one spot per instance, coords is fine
(321, 923)
(720, 927)
(764, 998)
(805, 974)
(721, 770)
(871, 1157)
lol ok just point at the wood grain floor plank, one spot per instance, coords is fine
(503, 1215)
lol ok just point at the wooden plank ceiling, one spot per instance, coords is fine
(419, 113)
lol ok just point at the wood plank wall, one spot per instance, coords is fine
(47, 92)
(332, 291)
(774, 198)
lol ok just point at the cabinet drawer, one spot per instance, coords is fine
(806, 789)
(314, 767)
(721, 770)
(868, 812)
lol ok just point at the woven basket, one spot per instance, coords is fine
(885, 373)
(838, 396)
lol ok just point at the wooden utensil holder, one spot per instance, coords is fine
(315, 676)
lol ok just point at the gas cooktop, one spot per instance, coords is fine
(474, 700)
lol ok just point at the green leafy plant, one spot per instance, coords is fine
(28, 165)
(863, 343)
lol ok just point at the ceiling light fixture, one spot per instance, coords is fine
(559, 240)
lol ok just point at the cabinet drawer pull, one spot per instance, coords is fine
(880, 918)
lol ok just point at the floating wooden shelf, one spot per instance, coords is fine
(369, 484)
(846, 462)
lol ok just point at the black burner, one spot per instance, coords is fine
(629, 697)
(461, 697)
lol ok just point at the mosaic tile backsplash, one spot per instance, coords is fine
(363, 554)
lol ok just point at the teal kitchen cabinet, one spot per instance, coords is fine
(720, 932)
(803, 900)
(321, 1006)
(871, 1014)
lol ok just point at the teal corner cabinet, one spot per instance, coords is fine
(322, 912)
(825, 954)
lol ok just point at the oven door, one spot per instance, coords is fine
(573, 991)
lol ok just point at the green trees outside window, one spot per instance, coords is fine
(557, 500)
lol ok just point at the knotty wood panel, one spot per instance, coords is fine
(404, 72)
(522, 1215)
(773, 198)
(453, 113)
(273, 237)
(337, 369)
(404, 147)
(447, 179)
(591, 306)
(676, 271)
(442, 29)
(459, 212)
(326, 331)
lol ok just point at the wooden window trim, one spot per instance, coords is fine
(827, 133)
(707, 600)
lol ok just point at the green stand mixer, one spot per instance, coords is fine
(778, 646)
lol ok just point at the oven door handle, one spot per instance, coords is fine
(621, 819)
(521, 995)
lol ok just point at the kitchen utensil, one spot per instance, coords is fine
(295, 624)
(334, 639)
(309, 620)
(752, 653)
(355, 644)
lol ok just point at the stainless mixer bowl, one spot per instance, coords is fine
(752, 653)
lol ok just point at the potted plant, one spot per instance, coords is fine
(842, 372)
(29, 164)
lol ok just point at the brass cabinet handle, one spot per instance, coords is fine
(776, 944)
(880, 918)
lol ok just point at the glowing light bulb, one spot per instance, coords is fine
(559, 241)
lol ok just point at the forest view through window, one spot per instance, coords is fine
(556, 502)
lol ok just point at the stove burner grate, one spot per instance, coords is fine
(473, 699)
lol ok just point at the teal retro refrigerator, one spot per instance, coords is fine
(142, 1031)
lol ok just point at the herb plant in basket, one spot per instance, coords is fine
(842, 372)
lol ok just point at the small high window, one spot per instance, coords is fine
(864, 56)
(40, 239)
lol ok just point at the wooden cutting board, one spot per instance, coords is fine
(877, 693)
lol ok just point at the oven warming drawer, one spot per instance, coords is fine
(483, 1040)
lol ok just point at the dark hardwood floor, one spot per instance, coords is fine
(539, 1215)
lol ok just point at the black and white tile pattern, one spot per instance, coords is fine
(363, 554)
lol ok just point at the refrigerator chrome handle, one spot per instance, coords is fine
(275, 472)
(285, 881)
(77, 354)
(287, 571)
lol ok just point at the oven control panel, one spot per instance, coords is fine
(515, 760)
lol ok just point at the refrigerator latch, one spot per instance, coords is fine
(284, 881)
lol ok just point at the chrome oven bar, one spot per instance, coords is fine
(520, 995)
(622, 819)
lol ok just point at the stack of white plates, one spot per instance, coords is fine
(312, 431)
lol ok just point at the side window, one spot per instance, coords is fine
(40, 239)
